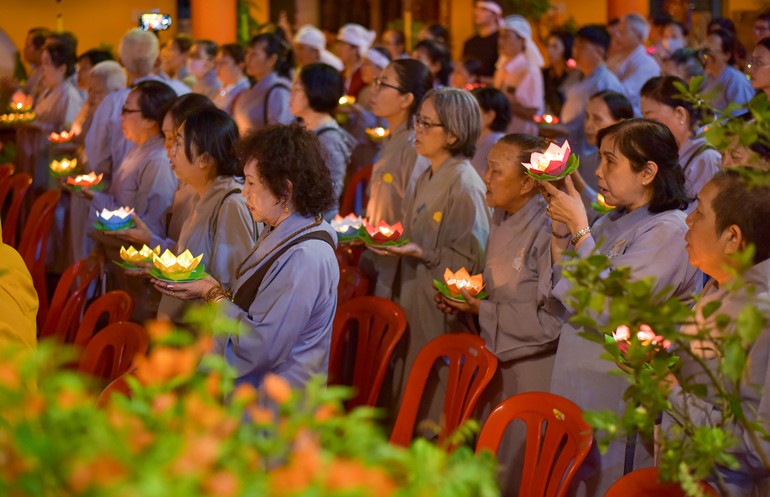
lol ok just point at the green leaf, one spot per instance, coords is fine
(734, 361)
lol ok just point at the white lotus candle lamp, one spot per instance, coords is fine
(176, 267)
(115, 219)
(145, 254)
(347, 225)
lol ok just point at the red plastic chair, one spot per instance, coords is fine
(6, 170)
(348, 201)
(117, 305)
(645, 481)
(16, 186)
(352, 284)
(118, 386)
(349, 254)
(471, 367)
(558, 440)
(379, 325)
(112, 351)
(68, 301)
(33, 245)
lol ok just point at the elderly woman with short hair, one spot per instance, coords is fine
(285, 291)
(447, 220)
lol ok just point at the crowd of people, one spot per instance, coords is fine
(242, 153)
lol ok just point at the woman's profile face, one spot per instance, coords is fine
(387, 101)
(504, 176)
(759, 68)
(598, 117)
(262, 204)
(258, 64)
(298, 102)
(555, 49)
(618, 182)
(51, 75)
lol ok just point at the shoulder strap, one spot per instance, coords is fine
(330, 128)
(701, 149)
(215, 221)
(248, 291)
(267, 98)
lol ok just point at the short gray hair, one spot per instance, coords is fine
(138, 51)
(639, 25)
(111, 74)
(460, 115)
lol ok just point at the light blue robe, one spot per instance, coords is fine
(652, 245)
(289, 324)
(226, 95)
(633, 72)
(699, 168)
(249, 107)
(224, 245)
(208, 85)
(337, 147)
(483, 146)
(731, 86)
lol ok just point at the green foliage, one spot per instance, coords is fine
(531, 9)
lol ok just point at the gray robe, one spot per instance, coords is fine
(337, 147)
(226, 95)
(249, 107)
(224, 245)
(448, 217)
(700, 164)
(652, 245)
(751, 479)
(633, 72)
(392, 185)
(483, 145)
(289, 324)
(730, 87)
(208, 85)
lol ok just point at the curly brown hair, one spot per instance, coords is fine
(290, 155)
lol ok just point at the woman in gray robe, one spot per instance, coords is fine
(219, 225)
(699, 160)
(639, 173)
(447, 220)
(144, 182)
(285, 290)
(398, 93)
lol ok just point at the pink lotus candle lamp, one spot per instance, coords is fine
(553, 164)
(87, 181)
(645, 335)
(546, 119)
(21, 102)
(383, 232)
(62, 137)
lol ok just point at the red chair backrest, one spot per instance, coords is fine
(68, 301)
(348, 254)
(33, 245)
(379, 325)
(644, 482)
(17, 186)
(113, 350)
(360, 177)
(352, 284)
(558, 440)
(118, 386)
(471, 367)
(117, 305)
(6, 170)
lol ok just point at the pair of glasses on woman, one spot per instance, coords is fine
(379, 83)
(423, 125)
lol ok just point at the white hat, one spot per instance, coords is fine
(377, 58)
(493, 7)
(310, 36)
(357, 35)
(329, 58)
(520, 26)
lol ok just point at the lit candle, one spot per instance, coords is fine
(377, 134)
(546, 119)
(64, 166)
(347, 100)
(89, 180)
(62, 137)
(176, 267)
(463, 280)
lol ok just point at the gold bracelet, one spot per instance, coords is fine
(580, 234)
(216, 294)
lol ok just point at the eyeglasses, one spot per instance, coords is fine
(755, 64)
(126, 110)
(423, 125)
(378, 83)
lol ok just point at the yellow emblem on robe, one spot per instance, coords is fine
(437, 216)
(387, 178)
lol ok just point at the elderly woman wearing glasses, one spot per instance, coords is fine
(396, 96)
(447, 219)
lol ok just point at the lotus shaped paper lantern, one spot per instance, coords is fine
(553, 164)
(17, 118)
(383, 232)
(63, 167)
(645, 335)
(463, 280)
(89, 180)
(20, 102)
(347, 225)
(176, 267)
(115, 219)
(377, 134)
(347, 100)
(132, 255)
(546, 119)
(62, 137)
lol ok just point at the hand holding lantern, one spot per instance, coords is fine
(110, 220)
(177, 267)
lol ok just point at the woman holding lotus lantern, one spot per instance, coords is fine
(639, 172)
(396, 96)
(446, 219)
(285, 289)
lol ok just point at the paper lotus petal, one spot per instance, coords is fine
(462, 279)
(115, 219)
(176, 266)
(21, 101)
(130, 254)
(546, 119)
(552, 162)
(347, 224)
(645, 335)
(347, 100)
(377, 134)
(384, 232)
(62, 137)
(64, 166)
(85, 180)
